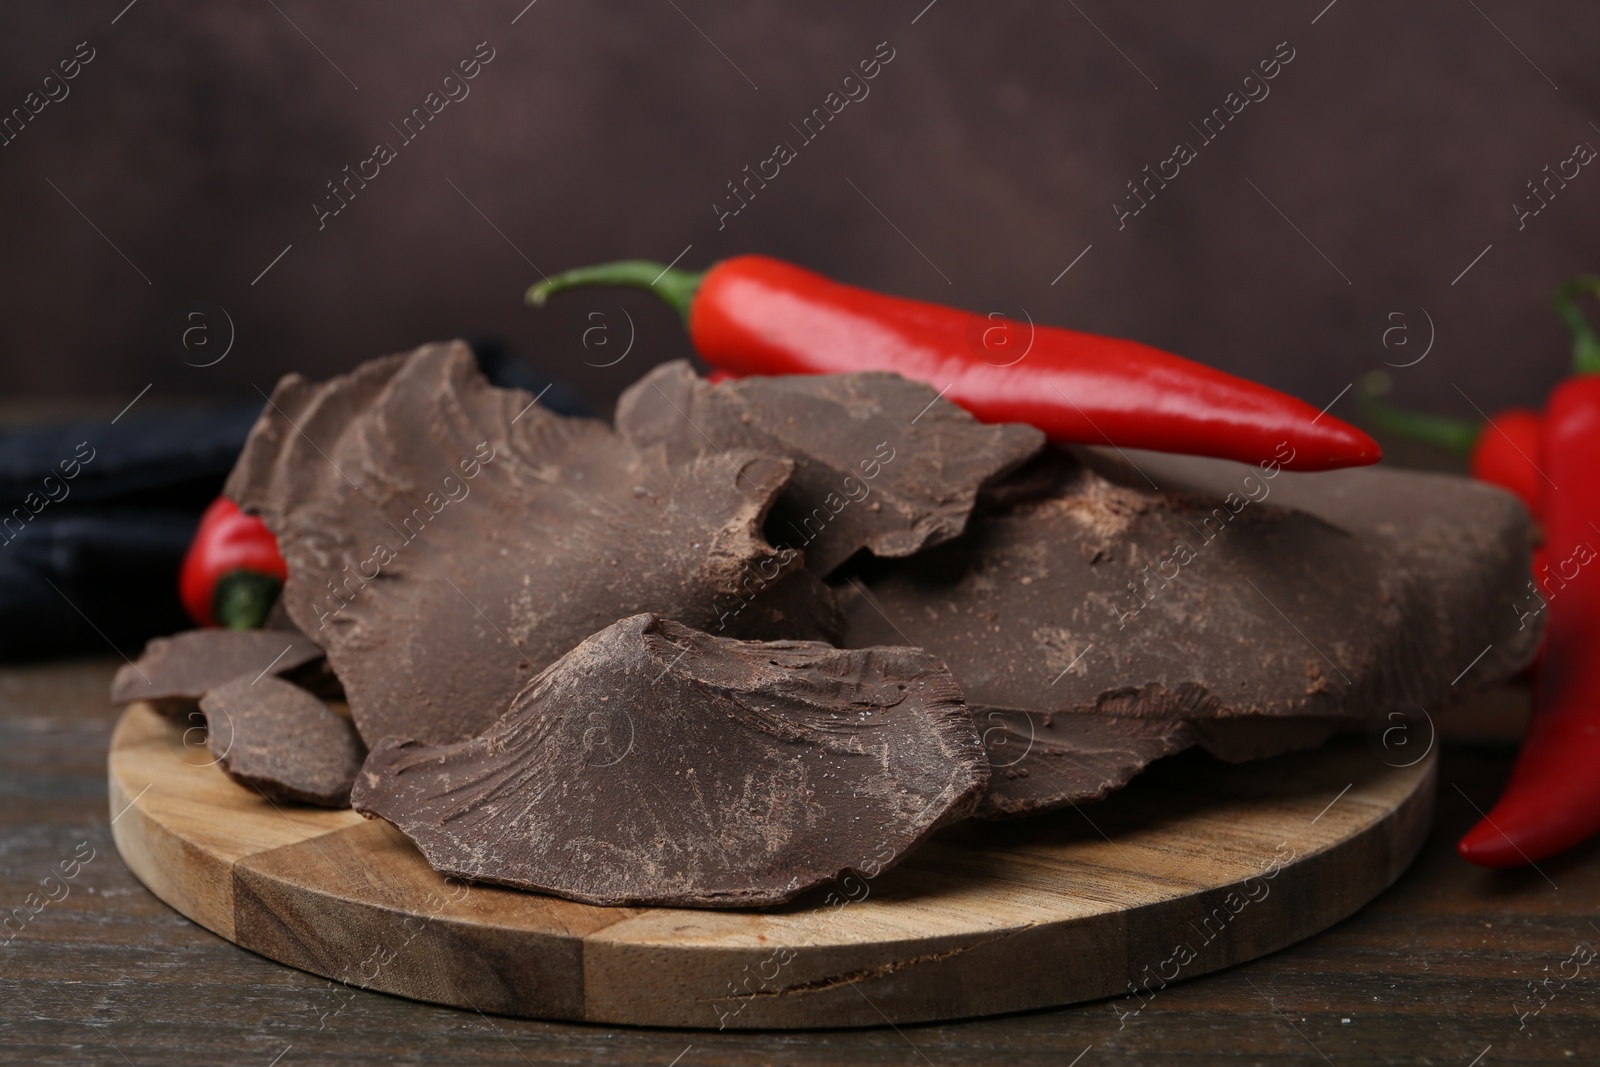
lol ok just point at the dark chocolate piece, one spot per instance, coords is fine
(1041, 761)
(447, 540)
(278, 739)
(1402, 578)
(1452, 554)
(881, 462)
(1265, 736)
(1074, 592)
(1461, 548)
(317, 678)
(655, 764)
(175, 672)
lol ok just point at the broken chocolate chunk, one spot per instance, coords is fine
(1460, 547)
(175, 672)
(881, 463)
(655, 764)
(1077, 590)
(1451, 555)
(281, 741)
(447, 540)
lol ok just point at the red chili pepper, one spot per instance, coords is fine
(233, 571)
(1506, 454)
(1552, 801)
(756, 315)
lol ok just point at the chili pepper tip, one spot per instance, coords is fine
(1486, 846)
(1523, 828)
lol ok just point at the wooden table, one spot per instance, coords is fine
(1436, 971)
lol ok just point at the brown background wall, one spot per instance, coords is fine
(996, 141)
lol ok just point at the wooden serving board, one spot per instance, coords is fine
(1196, 866)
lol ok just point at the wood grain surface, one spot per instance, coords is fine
(1441, 969)
(1200, 866)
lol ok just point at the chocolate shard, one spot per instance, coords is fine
(174, 672)
(1041, 761)
(447, 540)
(655, 764)
(881, 463)
(1084, 590)
(276, 738)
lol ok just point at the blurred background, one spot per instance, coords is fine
(173, 235)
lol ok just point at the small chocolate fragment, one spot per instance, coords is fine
(281, 741)
(447, 540)
(881, 462)
(174, 672)
(655, 764)
(1041, 762)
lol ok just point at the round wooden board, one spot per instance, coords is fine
(1196, 866)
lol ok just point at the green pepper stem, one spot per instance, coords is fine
(1585, 345)
(243, 599)
(1458, 435)
(676, 287)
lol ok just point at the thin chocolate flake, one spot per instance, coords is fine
(489, 536)
(655, 764)
(1040, 761)
(174, 672)
(880, 462)
(274, 737)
